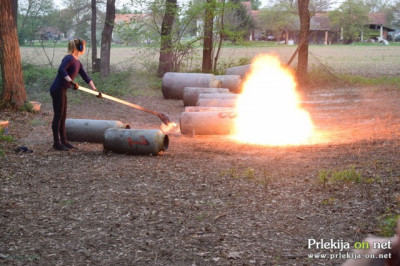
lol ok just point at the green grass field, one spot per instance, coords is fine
(368, 60)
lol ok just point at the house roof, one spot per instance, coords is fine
(379, 19)
(321, 21)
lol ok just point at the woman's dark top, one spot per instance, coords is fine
(69, 67)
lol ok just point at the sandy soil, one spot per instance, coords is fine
(207, 200)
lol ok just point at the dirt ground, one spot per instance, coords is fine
(207, 200)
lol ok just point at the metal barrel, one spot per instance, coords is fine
(242, 71)
(232, 82)
(191, 94)
(207, 123)
(90, 130)
(135, 141)
(217, 102)
(218, 96)
(208, 109)
(173, 83)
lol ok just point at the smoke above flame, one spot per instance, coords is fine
(268, 110)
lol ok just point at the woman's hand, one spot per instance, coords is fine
(91, 84)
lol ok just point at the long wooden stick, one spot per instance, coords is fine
(163, 117)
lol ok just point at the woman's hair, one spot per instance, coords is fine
(76, 44)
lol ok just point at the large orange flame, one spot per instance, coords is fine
(268, 111)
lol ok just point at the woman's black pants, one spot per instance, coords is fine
(60, 114)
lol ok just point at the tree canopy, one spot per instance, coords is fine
(352, 17)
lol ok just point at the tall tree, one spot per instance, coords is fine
(15, 11)
(207, 63)
(238, 22)
(281, 17)
(393, 15)
(95, 60)
(302, 61)
(165, 63)
(106, 38)
(13, 93)
(255, 4)
(32, 14)
(351, 16)
(220, 25)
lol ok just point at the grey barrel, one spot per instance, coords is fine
(135, 141)
(232, 82)
(218, 96)
(191, 94)
(217, 102)
(242, 71)
(173, 83)
(207, 123)
(90, 130)
(208, 109)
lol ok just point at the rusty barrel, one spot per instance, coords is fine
(207, 123)
(191, 94)
(90, 130)
(135, 141)
(242, 71)
(216, 102)
(173, 83)
(232, 82)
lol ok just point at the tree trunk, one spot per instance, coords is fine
(302, 63)
(95, 60)
(13, 93)
(208, 36)
(166, 61)
(106, 38)
(221, 30)
(15, 12)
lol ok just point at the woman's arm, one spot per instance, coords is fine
(91, 84)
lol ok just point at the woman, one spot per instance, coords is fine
(68, 70)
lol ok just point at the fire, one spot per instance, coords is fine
(171, 127)
(268, 109)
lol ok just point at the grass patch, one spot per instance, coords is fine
(367, 81)
(4, 138)
(388, 223)
(115, 84)
(341, 177)
(328, 201)
(323, 76)
(224, 64)
(39, 79)
(262, 177)
(37, 122)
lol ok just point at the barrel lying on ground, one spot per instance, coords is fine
(207, 123)
(135, 141)
(191, 94)
(218, 96)
(173, 83)
(242, 71)
(90, 130)
(232, 82)
(216, 102)
(209, 109)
